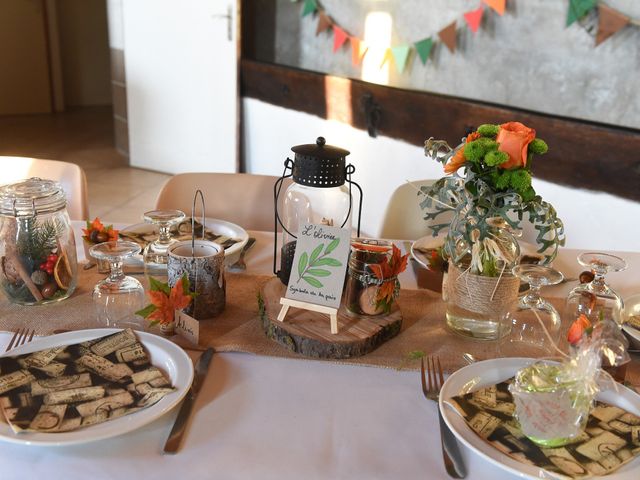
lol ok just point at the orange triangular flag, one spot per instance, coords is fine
(497, 5)
(448, 36)
(324, 22)
(609, 22)
(339, 37)
(358, 50)
(385, 57)
(473, 18)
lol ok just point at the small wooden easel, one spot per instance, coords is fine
(332, 312)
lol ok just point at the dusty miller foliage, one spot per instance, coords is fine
(473, 199)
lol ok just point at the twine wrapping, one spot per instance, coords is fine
(491, 296)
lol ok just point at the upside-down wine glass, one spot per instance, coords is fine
(596, 300)
(155, 254)
(117, 297)
(535, 324)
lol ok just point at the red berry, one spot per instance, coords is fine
(43, 266)
(52, 258)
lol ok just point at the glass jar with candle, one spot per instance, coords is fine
(367, 291)
(38, 262)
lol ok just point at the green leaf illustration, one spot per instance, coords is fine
(329, 262)
(318, 272)
(316, 253)
(302, 263)
(313, 282)
(332, 246)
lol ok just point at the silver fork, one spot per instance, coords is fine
(20, 337)
(453, 461)
(240, 265)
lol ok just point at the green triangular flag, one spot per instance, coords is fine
(578, 9)
(423, 47)
(400, 55)
(310, 6)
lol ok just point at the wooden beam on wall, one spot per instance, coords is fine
(581, 154)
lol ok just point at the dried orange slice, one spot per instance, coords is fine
(62, 271)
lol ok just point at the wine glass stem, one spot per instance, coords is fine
(533, 295)
(597, 283)
(116, 274)
(165, 234)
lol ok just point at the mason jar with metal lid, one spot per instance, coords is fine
(38, 262)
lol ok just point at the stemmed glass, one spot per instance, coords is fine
(534, 323)
(117, 297)
(155, 254)
(596, 300)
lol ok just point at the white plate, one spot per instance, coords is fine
(428, 241)
(490, 372)
(219, 227)
(165, 355)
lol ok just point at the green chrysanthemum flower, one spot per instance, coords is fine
(488, 130)
(494, 158)
(528, 194)
(476, 150)
(520, 180)
(539, 147)
(502, 180)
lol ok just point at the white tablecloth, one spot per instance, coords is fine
(273, 418)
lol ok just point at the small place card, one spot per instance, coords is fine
(187, 327)
(319, 265)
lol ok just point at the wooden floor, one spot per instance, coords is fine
(85, 137)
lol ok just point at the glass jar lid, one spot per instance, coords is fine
(30, 197)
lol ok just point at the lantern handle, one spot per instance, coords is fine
(288, 165)
(349, 170)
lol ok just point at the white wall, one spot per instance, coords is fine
(592, 220)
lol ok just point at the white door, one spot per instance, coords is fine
(180, 67)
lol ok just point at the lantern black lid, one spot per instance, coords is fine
(319, 165)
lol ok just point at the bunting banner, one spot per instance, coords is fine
(339, 38)
(449, 36)
(400, 56)
(498, 5)
(324, 23)
(473, 19)
(423, 47)
(610, 21)
(358, 50)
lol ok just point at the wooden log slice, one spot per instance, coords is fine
(309, 333)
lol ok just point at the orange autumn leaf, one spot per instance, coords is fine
(578, 328)
(166, 305)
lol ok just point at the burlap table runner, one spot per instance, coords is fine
(239, 327)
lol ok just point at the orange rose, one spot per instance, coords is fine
(514, 138)
(458, 159)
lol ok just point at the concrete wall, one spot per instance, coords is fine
(527, 58)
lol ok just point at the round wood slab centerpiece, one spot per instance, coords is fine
(309, 333)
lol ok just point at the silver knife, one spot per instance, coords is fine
(453, 462)
(180, 425)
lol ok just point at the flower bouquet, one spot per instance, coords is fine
(486, 204)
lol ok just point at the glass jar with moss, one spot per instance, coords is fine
(38, 262)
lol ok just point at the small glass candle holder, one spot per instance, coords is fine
(367, 291)
(551, 406)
